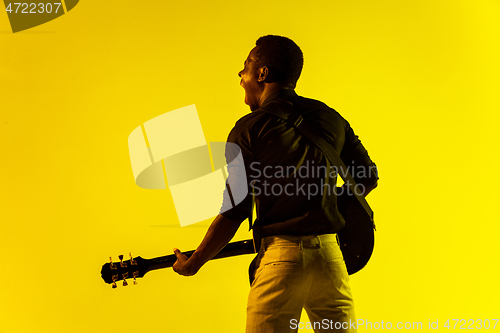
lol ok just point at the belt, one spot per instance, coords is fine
(305, 242)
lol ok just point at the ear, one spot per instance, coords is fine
(263, 74)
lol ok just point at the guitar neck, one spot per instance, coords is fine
(230, 250)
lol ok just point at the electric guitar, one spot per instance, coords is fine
(356, 243)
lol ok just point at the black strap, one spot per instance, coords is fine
(284, 110)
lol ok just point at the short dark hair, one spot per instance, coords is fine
(282, 57)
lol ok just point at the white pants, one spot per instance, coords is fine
(296, 272)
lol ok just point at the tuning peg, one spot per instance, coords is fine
(122, 264)
(111, 265)
(132, 261)
(125, 276)
(114, 277)
(135, 274)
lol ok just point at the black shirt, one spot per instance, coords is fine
(288, 178)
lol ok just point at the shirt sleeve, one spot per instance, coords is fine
(237, 203)
(354, 155)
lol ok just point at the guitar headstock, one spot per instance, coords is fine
(133, 268)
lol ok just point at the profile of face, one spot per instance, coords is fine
(252, 80)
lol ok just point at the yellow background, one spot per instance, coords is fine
(418, 80)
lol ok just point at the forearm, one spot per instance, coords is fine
(220, 232)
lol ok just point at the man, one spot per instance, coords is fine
(299, 264)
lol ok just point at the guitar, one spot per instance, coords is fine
(356, 242)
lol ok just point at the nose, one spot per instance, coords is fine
(239, 73)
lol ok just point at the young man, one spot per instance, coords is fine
(299, 264)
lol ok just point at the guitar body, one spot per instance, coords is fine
(357, 238)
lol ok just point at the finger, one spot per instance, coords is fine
(177, 252)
